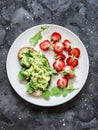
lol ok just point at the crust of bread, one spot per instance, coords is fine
(38, 93)
(24, 49)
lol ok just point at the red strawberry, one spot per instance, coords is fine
(68, 68)
(67, 45)
(75, 52)
(58, 47)
(55, 37)
(72, 61)
(60, 56)
(63, 82)
(58, 65)
(69, 60)
(75, 63)
(69, 72)
(45, 45)
(69, 76)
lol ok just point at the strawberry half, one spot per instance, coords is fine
(72, 61)
(68, 68)
(60, 56)
(75, 52)
(58, 47)
(68, 72)
(69, 76)
(55, 37)
(63, 82)
(45, 45)
(58, 65)
(67, 45)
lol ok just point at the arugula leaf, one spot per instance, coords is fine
(69, 89)
(55, 91)
(46, 94)
(44, 27)
(38, 36)
(71, 84)
(66, 92)
(34, 40)
(67, 72)
(21, 75)
(53, 71)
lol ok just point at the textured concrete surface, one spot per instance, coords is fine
(80, 16)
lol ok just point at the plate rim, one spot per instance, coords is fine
(84, 48)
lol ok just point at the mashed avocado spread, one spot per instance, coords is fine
(36, 70)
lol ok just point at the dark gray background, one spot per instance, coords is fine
(80, 16)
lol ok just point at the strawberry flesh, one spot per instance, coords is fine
(69, 76)
(63, 82)
(60, 56)
(72, 61)
(58, 65)
(67, 45)
(45, 45)
(58, 47)
(55, 37)
(75, 52)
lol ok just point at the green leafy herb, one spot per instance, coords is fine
(67, 72)
(44, 27)
(34, 40)
(55, 91)
(67, 91)
(46, 94)
(71, 84)
(21, 75)
(38, 36)
(53, 71)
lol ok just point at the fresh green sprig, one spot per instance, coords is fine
(46, 95)
(21, 75)
(38, 36)
(55, 91)
(67, 72)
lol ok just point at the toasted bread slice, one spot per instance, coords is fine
(38, 93)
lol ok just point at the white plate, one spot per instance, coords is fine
(13, 65)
